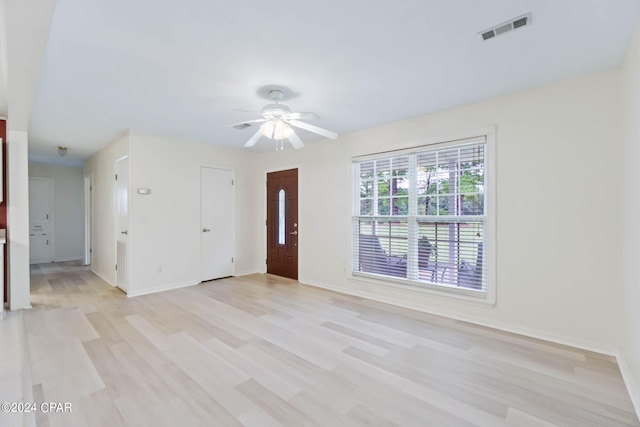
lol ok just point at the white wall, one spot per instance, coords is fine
(18, 220)
(165, 225)
(630, 349)
(102, 165)
(68, 209)
(558, 182)
(21, 49)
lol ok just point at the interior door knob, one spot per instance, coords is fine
(124, 232)
(204, 230)
(295, 233)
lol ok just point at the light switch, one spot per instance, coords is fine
(144, 191)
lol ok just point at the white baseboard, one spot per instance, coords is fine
(73, 258)
(507, 327)
(633, 386)
(100, 275)
(167, 287)
(246, 273)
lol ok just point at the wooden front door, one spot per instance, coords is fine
(282, 223)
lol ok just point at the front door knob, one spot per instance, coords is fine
(204, 230)
(295, 233)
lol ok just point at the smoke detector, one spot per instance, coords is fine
(505, 27)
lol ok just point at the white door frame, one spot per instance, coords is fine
(88, 212)
(127, 280)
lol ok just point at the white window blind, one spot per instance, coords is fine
(420, 215)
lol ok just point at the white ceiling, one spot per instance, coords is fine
(183, 69)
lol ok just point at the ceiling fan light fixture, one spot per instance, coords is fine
(276, 129)
(62, 151)
(283, 130)
(267, 129)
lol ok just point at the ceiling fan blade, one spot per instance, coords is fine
(295, 141)
(249, 121)
(252, 141)
(314, 129)
(303, 116)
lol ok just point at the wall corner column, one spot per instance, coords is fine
(18, 217)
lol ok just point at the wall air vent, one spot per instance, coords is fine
(242, 126)
(505, 27)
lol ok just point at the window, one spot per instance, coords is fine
(281, 217)
(421, 216)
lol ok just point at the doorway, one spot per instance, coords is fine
(282, 223)
(217, 232)
(40, 220)
(122, 223)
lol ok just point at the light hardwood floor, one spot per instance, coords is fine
(264, 351)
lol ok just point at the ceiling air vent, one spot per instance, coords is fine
(487, 35)
(242, 126)
(505, 27)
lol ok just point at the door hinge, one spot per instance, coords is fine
(231, 260)
(116, 267)
(116, 177)
(265, 222)
(265, 261)
(47, 216)
(91, 188)
(231, 182)
(47, 243)
(90, 251)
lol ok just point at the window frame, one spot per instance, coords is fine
(486, 296)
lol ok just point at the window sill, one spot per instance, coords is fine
(467, 295)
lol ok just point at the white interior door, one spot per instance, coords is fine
(122, 223)
(216, 223)
(40, 220)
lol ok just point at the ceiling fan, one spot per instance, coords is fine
(278, 122)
